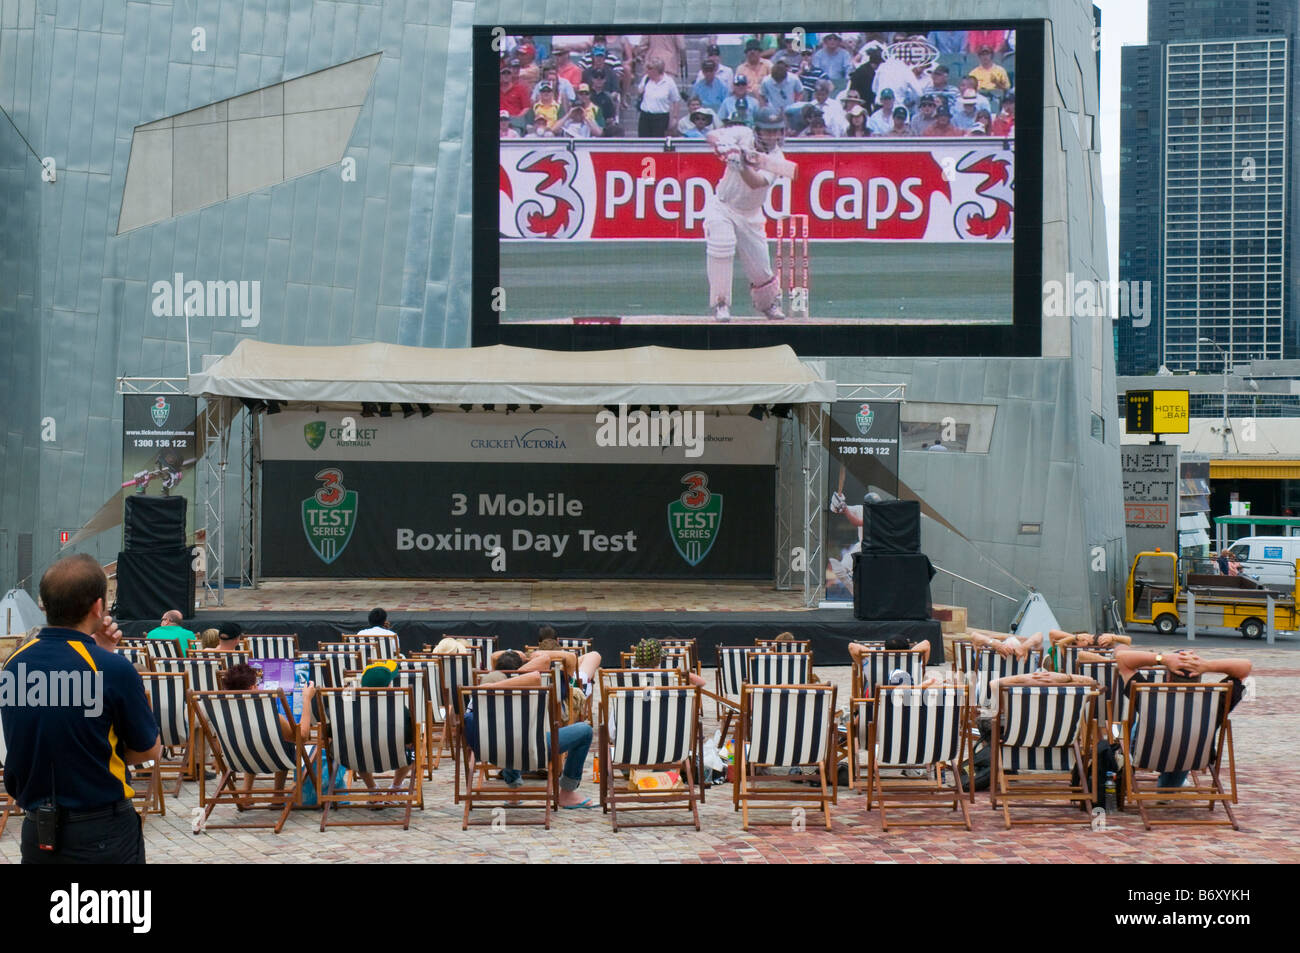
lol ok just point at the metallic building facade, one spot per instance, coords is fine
(1210, 141)
(384, 255)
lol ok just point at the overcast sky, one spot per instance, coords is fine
(1123, 23)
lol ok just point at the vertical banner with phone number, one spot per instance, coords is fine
(863, 458)
(160, 446)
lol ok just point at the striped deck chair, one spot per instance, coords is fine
(1155, 674)
(1040, 738)
(990, 666)
(237, 657)
(657, 729)
(382, 647)
(435, 709)
(916, 728)
(782, 727)
(244, 731)
(482, 646)
(612, 678)
(772, 645)
(456, 672)
(671, 658)
(365, 732)
(167, 696)
(364, 650)
(1106, 675)
(328, 668)
(878, 664)
(778, 668)
(6, 802)
(570, 644)
(515, 728)
(164, 648)
(1069, 655)
(732, 663)
(686, 645)
(1179, 726)
(963, 656)
(204, 675)
(137, 655)
(271, 646)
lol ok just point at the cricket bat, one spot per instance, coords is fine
(768, 163)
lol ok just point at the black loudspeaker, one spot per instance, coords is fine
(154, 522)
(892, 526)
(891, 586)
(148, 584)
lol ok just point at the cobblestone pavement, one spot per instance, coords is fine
(1265, 732)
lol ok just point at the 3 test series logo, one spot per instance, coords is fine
(329, 515)
(865, 417)
(314, 433)
(160, 411)
(695, 518)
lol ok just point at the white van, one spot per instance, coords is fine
(1269, 559)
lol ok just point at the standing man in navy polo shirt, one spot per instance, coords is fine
(75, 715)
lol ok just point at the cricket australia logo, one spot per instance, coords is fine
(160, 411)
(865, 417)
(329, 516)
(314, 433)
(695, 518)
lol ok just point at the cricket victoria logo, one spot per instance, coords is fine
(865, 417)
(329, 515)
(160, 411)
(695, 518)
(75, 906)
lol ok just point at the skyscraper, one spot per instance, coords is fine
(1208, 151)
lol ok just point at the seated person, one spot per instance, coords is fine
(1006, 644)
(1040, 677)
(209, 638)
(1083, 641)
(579, 671)
(895, 643)
(244, 678)
(1183, 666)
(574, 740)
(648, 653)
(380, 675)
(231, 633)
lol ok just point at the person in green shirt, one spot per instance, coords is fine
(171, 628)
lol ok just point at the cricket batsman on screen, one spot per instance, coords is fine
(733, 215)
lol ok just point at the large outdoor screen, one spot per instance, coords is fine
(848, 188)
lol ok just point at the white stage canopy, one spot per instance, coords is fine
(391, 373)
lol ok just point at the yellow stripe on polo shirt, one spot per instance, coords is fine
(116, 766)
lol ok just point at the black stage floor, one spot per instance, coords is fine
(829, 630)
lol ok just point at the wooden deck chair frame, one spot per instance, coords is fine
(146, 782)
(691, 648)
(963, 656)
(672, 658)
(749, 786)
(649, 702)
(283, 795)
(478, 786)
(257, 643)
(175, 760)
(913, 660)
(335, 704)
(950, 743)
(1216, 732)
(1045, 788)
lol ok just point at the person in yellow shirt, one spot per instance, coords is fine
(992, 79)
(547, 108)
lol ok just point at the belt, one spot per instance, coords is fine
(79, 815)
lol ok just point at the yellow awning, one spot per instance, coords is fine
(1255, 469)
